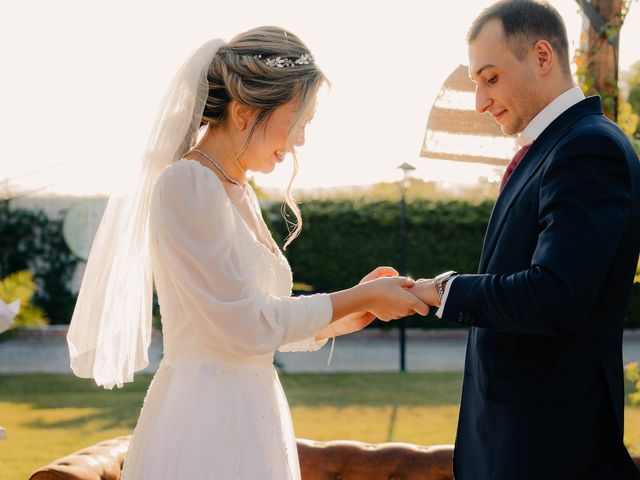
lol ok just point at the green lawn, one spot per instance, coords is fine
(48, 416)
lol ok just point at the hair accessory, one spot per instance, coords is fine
(283, 62)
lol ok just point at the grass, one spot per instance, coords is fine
(49, 416)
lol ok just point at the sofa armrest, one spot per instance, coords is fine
(350, 460)
(102, 461)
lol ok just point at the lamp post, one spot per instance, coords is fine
(402, 264)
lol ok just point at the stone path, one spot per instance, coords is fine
(365, 351)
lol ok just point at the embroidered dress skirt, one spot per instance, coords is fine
(209, 420)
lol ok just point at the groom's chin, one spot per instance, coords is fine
(510, 129)
(513, 127)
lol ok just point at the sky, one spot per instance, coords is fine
(82, 80)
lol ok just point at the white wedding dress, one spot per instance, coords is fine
(215, 408)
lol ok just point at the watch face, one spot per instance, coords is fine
(445, 276)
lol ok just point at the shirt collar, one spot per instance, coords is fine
(548, 114)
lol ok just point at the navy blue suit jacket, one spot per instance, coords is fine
(543, 383)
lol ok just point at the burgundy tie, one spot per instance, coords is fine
(513, 164)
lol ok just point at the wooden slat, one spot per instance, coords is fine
(460, 122)
(464, 158)
(459, 80)
(465, 122)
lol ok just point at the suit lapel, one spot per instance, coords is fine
(530, 164)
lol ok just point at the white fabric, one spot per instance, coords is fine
(216, 409)
(531, 132)
(7, 313)
(548, 114)
(110, 328)
(447, 288)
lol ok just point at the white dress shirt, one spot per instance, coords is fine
(531, 132)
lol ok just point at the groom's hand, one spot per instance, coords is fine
(425, 290)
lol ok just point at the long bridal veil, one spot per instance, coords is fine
(110, 328)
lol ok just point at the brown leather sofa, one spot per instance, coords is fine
(340, 460)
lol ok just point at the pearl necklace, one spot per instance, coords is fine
(215, 164)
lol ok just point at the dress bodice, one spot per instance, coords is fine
(224, 295)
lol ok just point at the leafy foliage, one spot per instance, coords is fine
(627, 118)
(20, 286)
(633, 105)
(29, 240)
(485, 189)
(632, 377)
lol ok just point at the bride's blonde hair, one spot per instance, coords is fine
(239, 71)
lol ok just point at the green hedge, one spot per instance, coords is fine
(343, 240)
(29, 240)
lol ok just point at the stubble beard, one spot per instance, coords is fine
(526, 112)
(525, 100)
(514, 127)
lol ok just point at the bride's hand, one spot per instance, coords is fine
(358, 320)
(349, 324)
(378, 273)
(387, 298)
(390, 300)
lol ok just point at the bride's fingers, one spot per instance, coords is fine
(368, 317)
(421, 307)
(418, 305)
(380, 272)
(386, 272)
(407, 282)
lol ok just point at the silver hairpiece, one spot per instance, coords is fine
(283, 62)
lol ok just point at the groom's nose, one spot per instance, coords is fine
(483, 101)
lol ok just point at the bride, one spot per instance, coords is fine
(189, 221)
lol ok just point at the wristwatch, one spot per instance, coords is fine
(440, 280)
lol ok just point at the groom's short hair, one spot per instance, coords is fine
(524, 22)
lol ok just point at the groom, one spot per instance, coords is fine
(543, 383)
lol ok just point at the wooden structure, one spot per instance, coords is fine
(601, 38)
(455, 131)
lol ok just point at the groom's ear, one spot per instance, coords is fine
(544, 56)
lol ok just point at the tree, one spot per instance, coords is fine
(597, 60)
